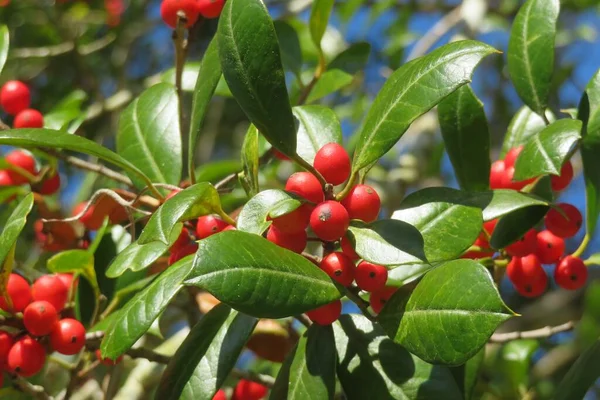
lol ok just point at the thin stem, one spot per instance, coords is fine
(264, 380)
(347, 188)
(227, 218)
(582, 246)
(300, 161)
(35, 391)
(533, 334)
(360, 302)
(180, 56)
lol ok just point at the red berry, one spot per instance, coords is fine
(182, 240)
(107, 361)
(305, 185)
(220, 395)
(27, 357)
(208, 225)
(15, 97)
(39, 318)
(371, 277)
(29, 118)
(497, 174)
(172, 194)
(280, 156)
(482, 242)
(52, 289)
(183, 252)
(511, 157)
(294, 222)
(295, 242)
(339, 267)
(19, 292)
(68, 336)
(550, 248)
(489, 226)
(6, 342)
(67, 279)
(248, 390)
(91, 219)
(524, 246)
(348, 249)
(50, 185)
(5, 179)
(571, 273)
(23, 160)
(327, 314)
(527, 275)
(169, 9)
(333, 162)
(363, 203)
(329, 221)
(210, 8)
(564, 179)
(508, 182)
(380, 297)
(561, 226)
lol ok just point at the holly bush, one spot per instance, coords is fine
(138, 262)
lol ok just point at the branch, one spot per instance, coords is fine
(264, 380)
(533, 334)
(63, 48)
(35, 391)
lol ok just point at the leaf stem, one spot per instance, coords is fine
(340, 196)
(582, 246)
(300, 161)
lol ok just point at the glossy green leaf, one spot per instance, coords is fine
(317, 126)
(149, 134)
(71, 261)
(516, 362)
(214, 171)
(525, 124)
(136, 317)
(205, 358)
(40, 138)
(371, 366)
(289, 44)
(411, 91)
(253, 217)
(353, 59)
(136, 257)
(189, 77)
(250, 162)
(388, 242)
(405, 274)
(467, 375)
(4, 45)
(66, 111)
(309, 370)
(14, 225)
(531, 52)
(581, 376)
(330, 82)
(467, 138)
(449, 316)
(251, 62)
(195, 201)
(206, 84)
(319, 18)
(284, 207)
(258, 278)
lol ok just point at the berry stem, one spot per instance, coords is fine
(227, 218)
(582, 246)
(363, 305)
(300, 161)
(347, 188)
(35, 391)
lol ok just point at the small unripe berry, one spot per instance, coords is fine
(248, 390)
(524, 246)
(26, 357)
(527, 275)
(305, 185)
(379, 298)
(497, 174)
(22, 160)
(329, 221)
(561, 226)
(332, 161)
(6, 342)
(68, 336)
(295, 242)
(19, 292)
(550, 248)
(210, 8)
(183, 252)
(208, 225)
(15, 97)
(564, 179)
(50, 185)
(52, 289)
(370, 277)
(294, 222)
(511, 157)
(362, 203)
(29, 118)
(339, 267)
(348, 249)
(107, 361)
(327, 314)
(170, 8)
(571, 273)
(39, 318)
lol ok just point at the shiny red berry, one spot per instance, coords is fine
(29, 118)
(107, 361)
(67, 279)
(280, 156)
(220, 395)
(305, 185)
(508, 181)
(50, 185)
(26, 357)
(524, 246)
(348, 248)
(339, 267)
(248, 390)
(329, 221)
(6, 342)
(39, 318)
(511, 157)
(15, 97)
(370, 277)
(333, 162)
(564, 179)
(527, 275)
(379, 298)
(295, 242)
(22, 160)
(362, 203)
(5, 179)
(19, 292)
(182, 240)
(210, 8)
(327, 314)
(561, 226)
(571, 273)
(68, 336)
(208, 225)
(481, 242)
(294, 222)
(497, 174)
(550, 248)
(183, 252)
(52, 289)
(89, 219)
(170, 8)
(489, 226)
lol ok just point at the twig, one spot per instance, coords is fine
(35, 391)
(443, 26)
(533, 334)
(264, 380)
(149, 355)
(63, 48)
(304, 320)
(232, 177)
(362, 304)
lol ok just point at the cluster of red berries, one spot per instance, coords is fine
(15, 99)
(39, 325)
(22, 163)
(537, 248)
(192, 9)
(244, 390)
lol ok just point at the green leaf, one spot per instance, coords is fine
(581, 376)
(215, 171)
(516, 363)
(449, 316)
(411, 91)
(372, 366)
(136, 257)
(522, 127)
(531, 52)
(256, 277)
(40, 138)
(545, 153)
(66, 111)
(189, 77)
(319, 18)
(13, 227)
(289, 44)
(309, 370)
(195, 201)
(206, 84)
(205, 358)
(330, 82)
(251, 62)
(284, 207)
(250, 161)
(466, 375)
(449, 224)
(317, 127)
(149, 135)
(253, 217)
(388, 242)
(4, 45)
(405, 274)
(136, 317)
(353, 59)
(71, 261)
(467, 138)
